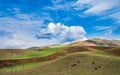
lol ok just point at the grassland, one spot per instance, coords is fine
(92, 62)
(22, 54)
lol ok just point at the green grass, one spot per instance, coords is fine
(109, 64)
(62, 66)
(21, 67)
(30, 53)
(44, 52)
(104, 53)
(35, 53)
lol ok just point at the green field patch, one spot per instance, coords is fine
(23, 54)
(41, 53)
(80, 63)
(21, 67)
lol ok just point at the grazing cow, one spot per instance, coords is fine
(93, 63)
(78, 61)
(95, 68)
(73, 65)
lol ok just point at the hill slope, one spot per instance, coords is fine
(96, 42)
(76, 60)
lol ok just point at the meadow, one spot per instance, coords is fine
(94, 61)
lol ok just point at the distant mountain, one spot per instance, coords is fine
(90, 42)
(96, 42)
(50, 46)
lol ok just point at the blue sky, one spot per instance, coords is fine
(27, 23)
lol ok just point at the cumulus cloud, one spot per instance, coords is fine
(62, 33)
(19, 31)
(23, 40)
(52, 34)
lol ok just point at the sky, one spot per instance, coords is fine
(30, 23)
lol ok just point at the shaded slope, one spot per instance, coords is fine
(113, 50)
(116, 51)
(104, 42)
(108, 48)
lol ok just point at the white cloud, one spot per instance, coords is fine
(104, 27)
(14, 25)
(23, 40)
(62, 33)
(59, 33)
(21, 29)
(21, 32)
(60, 5)
(56, 1)
(106, 30)
(23, 22)
(96, 6)
(106, 9)
(115, 16)
(99, 8)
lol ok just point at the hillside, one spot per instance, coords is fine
(74, 59)
(96, 42)
(89, 57)
(6, 54)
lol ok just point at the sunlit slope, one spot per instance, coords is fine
(80, 64)
(93, 61)
(55, 55)
(96, 42)
(32, 53)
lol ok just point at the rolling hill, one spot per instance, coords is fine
(77, 60)
(96, 42)
(89, 57)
